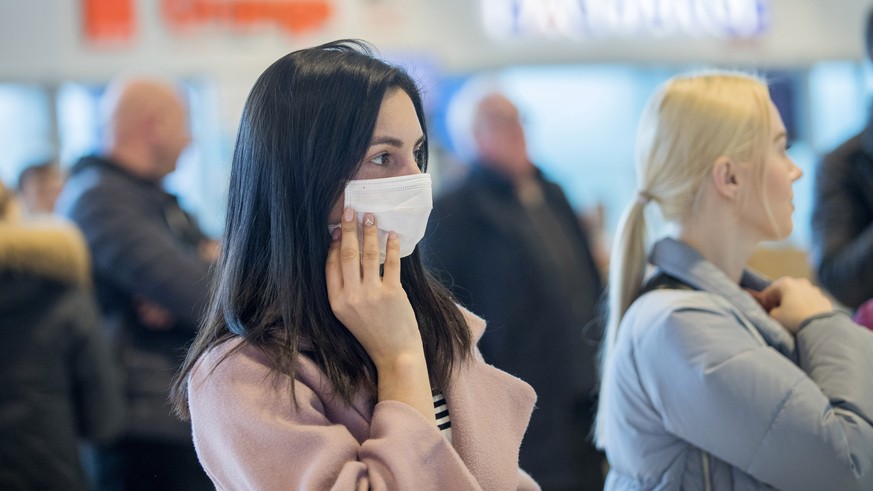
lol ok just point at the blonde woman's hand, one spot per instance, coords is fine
(793, 300)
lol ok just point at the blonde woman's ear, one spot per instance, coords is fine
(724, 177)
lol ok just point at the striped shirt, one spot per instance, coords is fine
(441, 411)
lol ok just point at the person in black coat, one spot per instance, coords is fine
(842, 216)
(60, 385)
(151, 273)
(509, 245)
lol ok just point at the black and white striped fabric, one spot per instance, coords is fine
(444, 422)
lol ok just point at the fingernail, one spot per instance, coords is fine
(392, 235)
(348, 214)
(369, 219)
(335, 233)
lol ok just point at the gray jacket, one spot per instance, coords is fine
(707, 391)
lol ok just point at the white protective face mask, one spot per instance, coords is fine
(400, 205)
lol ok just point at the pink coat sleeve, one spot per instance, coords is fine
(250, 436)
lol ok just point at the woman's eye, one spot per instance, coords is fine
(419, 155)
(381, 159)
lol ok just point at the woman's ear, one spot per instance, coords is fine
(724, 177)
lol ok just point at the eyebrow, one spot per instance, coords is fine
(394, 142)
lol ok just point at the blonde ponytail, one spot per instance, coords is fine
(625, 279)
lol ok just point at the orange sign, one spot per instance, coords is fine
(108, 20)
(294, 16)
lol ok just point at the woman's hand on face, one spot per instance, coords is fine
(792, 300)
(373, 307)
(376, 310)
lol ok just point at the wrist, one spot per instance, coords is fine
(808, 320)
(404, 378)
(401, 363)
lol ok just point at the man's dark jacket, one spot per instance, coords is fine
(484, 246)
(842, 220)
(144, 247)
(59, 383)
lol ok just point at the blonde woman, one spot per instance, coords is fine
(714, 378)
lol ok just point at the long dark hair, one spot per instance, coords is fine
(305, 130)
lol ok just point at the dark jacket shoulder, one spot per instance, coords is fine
(60, 383)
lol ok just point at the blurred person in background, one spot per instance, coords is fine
(59, 383)
(319, 367)
(39, 186)
(512, 250)
(842, 216)
(713, 377)
(151, 264)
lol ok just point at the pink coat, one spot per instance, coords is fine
(249, 435)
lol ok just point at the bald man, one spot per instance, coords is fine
(511, 248)
(150, 275)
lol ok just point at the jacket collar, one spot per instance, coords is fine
(492, 179)
(681, 261)
(363, 403)
(108, 165)
(489, 409)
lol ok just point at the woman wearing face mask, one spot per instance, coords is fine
(713, 378)
(317, 366)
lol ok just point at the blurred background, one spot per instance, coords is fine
(579, 70)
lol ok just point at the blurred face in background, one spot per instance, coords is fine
(39, 190)
(147, 126)
(499, 136)
(170, 133)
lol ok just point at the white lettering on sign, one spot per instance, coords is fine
(625, 18)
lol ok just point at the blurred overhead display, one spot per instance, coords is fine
(292, 16)
(108, 21)
(113, 20)
(584, 19)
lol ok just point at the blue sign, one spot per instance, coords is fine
(583, 19)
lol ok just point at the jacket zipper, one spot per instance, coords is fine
(707, 478)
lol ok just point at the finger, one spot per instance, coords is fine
(758, 296)
(391, 272)
(370, 258)
(350, 255)
(333, 269)
(772, 295)
(762, 299)
(776, 314)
